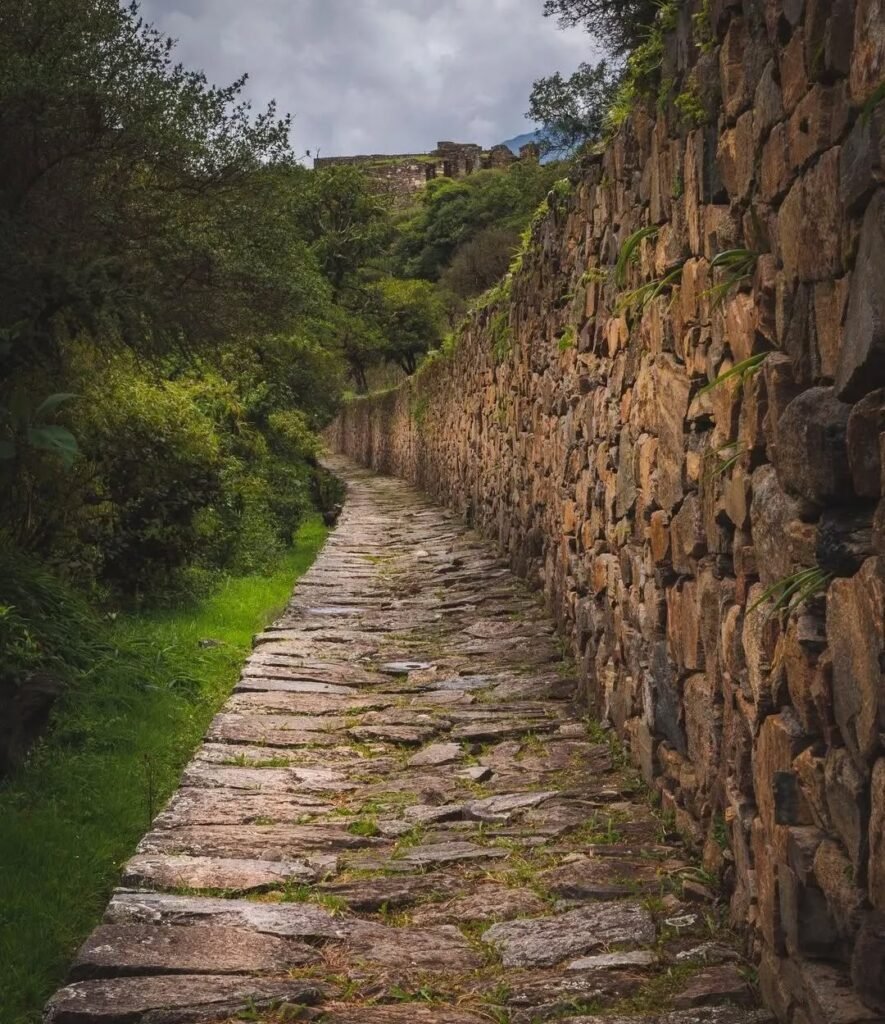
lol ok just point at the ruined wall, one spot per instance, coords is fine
(571, 423)
(400, 177)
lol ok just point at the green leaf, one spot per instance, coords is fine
(743, 369)
(629, 252)
(58, 440)
(50, 404)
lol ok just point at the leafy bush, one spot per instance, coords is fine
(156, 463)
(453, 213)
(479, 263)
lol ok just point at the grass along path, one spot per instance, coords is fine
(74, 813)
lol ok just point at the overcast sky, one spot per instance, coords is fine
(382, 76)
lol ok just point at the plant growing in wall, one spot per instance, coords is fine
(499, 329)
(637, 299)
(726, 456)
(629, 252)
(743, 370)
(736, 266)
(568, 338)
(793, 590)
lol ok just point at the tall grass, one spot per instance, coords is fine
(120, 736)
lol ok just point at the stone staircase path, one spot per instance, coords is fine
(401, 816)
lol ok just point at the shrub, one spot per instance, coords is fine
(156, 463)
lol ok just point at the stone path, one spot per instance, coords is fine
(399, 816)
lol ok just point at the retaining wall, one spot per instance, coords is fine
(570, 423)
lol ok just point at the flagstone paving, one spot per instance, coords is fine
(401, 816)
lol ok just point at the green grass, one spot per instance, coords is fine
(72, 815)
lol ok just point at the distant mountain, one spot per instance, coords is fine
(518, 141)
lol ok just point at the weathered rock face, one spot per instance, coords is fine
(657, 515)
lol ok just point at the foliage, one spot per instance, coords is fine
(142, 692)
(793, 590)
(480, 262)
(343, 219)
(137, 203)
(638, 298)
(737, 266)
(629, 252)
(741, 371)
(454, 212)
(572, 111)
(727, 455)
(619, 25)
(34, 431)
(501, 335)
(171, 277)
(409, 316)
(568, 338)
(689, 104)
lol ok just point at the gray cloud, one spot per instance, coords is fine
(387, 76)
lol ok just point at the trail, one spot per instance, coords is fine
(401, 815)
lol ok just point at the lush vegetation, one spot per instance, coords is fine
(573, 110)
(142, 689)
(618, 25)
(464, 232)
(595, 99)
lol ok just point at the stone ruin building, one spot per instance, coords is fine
(403, 175)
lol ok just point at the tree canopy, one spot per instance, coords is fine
(618, 25)
(137, 202)
(573, 110)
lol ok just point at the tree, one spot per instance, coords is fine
(344, 219)
(482, 261)
(409, 315)
(453, 213)
(572, 110)
(138, 204)
(619, 25)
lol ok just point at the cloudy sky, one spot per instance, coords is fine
(383, 76)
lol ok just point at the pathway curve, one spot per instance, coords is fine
(400, 817)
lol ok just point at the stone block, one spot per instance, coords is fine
(825, 990)
(862, 159)
(817, 123)
(811, 454)
(861, 366)
(868, 962)
(829, 36)
(868, 56)
(856, 635)
(768, 104)
(771, 511)
(736, 157)
(834, 873)
(876, 872)
(775, 173)
(780, 740)
(810, 769)
(808, 927)
(830, 302)
(847, 804)
(732, 72)
(800, 652)
(793, 74)
(809, 224)
(687, 537)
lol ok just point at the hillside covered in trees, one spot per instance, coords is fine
(184, 303)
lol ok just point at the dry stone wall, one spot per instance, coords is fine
(573, 423)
